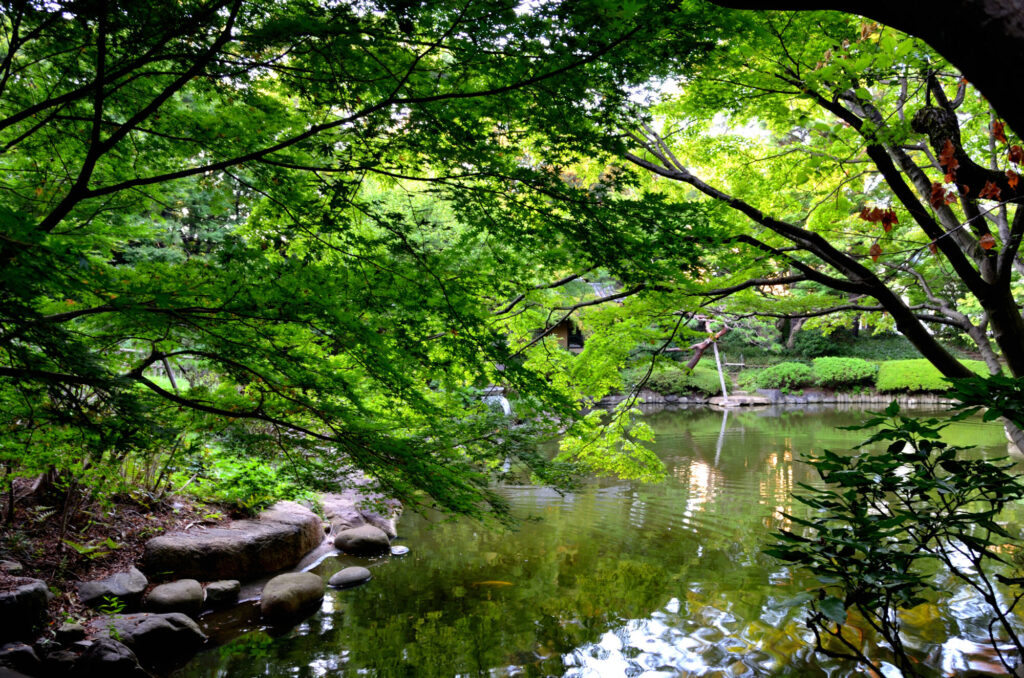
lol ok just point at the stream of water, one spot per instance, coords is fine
(617, 579)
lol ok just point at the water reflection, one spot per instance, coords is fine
(617, 579)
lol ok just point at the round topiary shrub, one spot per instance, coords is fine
(785, 376)
(839, 372)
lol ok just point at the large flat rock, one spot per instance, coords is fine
(242, 549)
(740, 400)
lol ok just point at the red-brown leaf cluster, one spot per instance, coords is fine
(990, 191)
(875, 251)
(948, 161)
(933, 247)
(940, 196)
(997, 131)
(1015, 154)
(1012, 178)
(877, 215)
(987, 242)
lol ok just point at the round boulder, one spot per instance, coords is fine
(349, 577)
(224, 592)
(126, 587)
(108, 658)
(184, 595)
(287, 595)
(158, 640)
(365, 540)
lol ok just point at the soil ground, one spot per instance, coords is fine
(66, 540)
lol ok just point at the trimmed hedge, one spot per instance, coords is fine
(787, 376)
(838, 372)
(918, 375)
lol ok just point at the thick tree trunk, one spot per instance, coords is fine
(984, 39)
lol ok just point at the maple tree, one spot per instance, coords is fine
(213, 234)
(876, 128)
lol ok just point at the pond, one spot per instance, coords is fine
(617, 579)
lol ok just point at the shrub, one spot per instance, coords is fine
(248, 485)
(812, 344)
(787, 376)
(918, 375)
(837, 372)
(672, 379)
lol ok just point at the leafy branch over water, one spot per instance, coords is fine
(884, 519)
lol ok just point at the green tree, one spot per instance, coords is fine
(213, 189)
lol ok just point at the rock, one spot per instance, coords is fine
(365, 540)
(20, 657)
(108, 658)
(184, 595)
(243, 549)
(350, 576)
(23, 610)
(126, 587)
(399, 550)
(739, 400)
(59, 663)
(10, 673)
(224, 592)
(158, 640)
(286, 596)
(11, 567)
(343, 510)
(69, 633)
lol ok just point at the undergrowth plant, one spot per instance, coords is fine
(882, 521)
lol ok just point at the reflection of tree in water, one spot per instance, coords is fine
(469, 600)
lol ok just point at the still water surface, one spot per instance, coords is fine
(618, 579)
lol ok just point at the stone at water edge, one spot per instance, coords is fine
(287, 595)
(224, 592)
(126, 587)
(241, 549)
(349, 577)
(110, 659)
(156, 639)
(399, 550)
(365, 540)
(184, 595)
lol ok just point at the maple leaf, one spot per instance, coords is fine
(1016, 154)
(938, 196)
(997, 131)
(990, 191)
(933, 247)
(875, 252)
(948, 161)
(987, 242)
(888, 219)
(1012, 178)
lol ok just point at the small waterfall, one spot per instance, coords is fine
(495, 397)
(499, 401)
